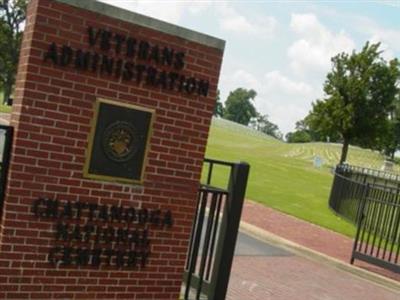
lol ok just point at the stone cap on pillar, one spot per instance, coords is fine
(145, 21)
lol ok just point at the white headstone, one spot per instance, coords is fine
(318, 162)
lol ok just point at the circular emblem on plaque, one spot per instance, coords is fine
(120, 141)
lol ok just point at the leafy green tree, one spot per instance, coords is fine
(239, 107)
(12, 16)
(391, 142)
(304, 134)
(261, 123)
(315, 135)
(219, 107)
(299, 136)
(359, 92)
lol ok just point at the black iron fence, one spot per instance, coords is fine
(371, 200)
(215, 230)
(366, 175)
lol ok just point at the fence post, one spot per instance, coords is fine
(334, 190)
(359, 220)
(229, 231)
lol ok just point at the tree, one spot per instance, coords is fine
(239, 107)
(302, 134)
(359, 92)
(305, 134)
(299, 136)
(219, 107)
(261, 123)
(316, 136)
(391, 142)
(12, 16)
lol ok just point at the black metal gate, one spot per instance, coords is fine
(377, 239)
(371, 200)
(214, 231)
(6, 133)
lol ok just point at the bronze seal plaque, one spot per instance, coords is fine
(118, 142)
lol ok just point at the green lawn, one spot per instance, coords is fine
(282, 176)
(3, 108)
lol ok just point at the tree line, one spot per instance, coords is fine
(239, 108)
(12, 16)
(361, 104)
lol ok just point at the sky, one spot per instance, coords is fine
(281, 49)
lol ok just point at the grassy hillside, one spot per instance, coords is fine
(3, 108)
(282, 175)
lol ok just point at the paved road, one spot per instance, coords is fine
(262, 271)
(249, 246)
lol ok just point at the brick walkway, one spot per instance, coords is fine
(296, 278)
(306, 234)
(299, 278)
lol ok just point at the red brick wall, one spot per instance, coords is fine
(52, 111)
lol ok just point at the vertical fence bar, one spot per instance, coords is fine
(384, 224)
(391, 227)
(396, 259)
(192, 234)
(214, 234)
(380, 204)
(196, 243)
(360, 219)
(371, 219)
(365, 226)
(229, 230)
(205, 253)
(396, 227)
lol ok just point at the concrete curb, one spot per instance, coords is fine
(4, 122)
(5, 118)
(319, 257)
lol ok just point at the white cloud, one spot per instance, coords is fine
(165, 11)
(370, 30)
(316, 45)
(228, 18)
(169, 11)
(387, 51)
(283, 99)
(392, 3)
(231, 20)
(198, 7)
(389, 38)
(275, 81)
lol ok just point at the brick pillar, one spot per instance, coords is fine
(133, 60)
